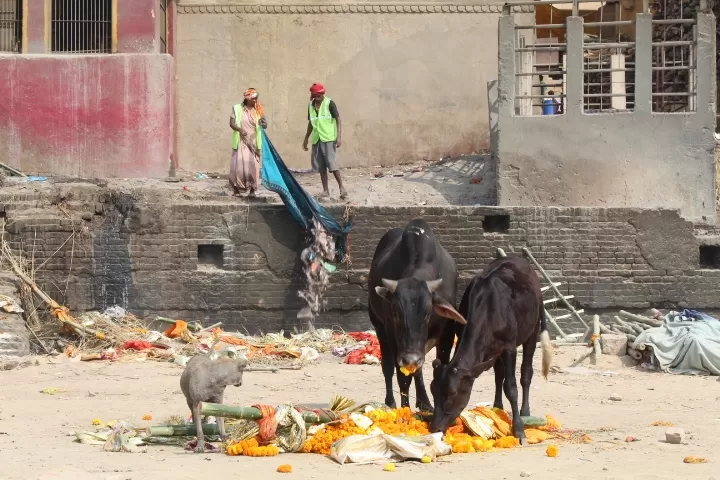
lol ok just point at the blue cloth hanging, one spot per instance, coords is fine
(276, 177)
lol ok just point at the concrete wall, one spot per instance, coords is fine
(408, 78)
(637, 159)
(89, 115)
(141, 253)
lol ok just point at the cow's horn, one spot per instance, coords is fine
(433, 284)
(390, 284)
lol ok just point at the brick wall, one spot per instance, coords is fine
(14, 338)
(141, 252)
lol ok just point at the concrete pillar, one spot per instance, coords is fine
(506, 65)
(706, 64)
(35, 12)
(617, 82)
(575, 77)
(643, 63)
(137, 26)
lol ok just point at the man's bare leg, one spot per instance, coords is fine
(343, 192)
(324, 180)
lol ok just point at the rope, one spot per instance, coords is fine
(267, 424)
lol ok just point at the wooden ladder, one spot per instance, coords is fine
(558, 300)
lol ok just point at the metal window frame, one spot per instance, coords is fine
(113, 30)
(23, 30)
(164, 31)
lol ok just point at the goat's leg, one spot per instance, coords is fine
(198, 427)
(499, 369)
(526, 374)
(511, 392)
(220, 420)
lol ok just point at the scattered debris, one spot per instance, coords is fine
(317, 266)
(693, 459)
(630, 439)
(476, 180)
(661, 423)
(51, 391)
(13, 171)
(675, 436)
(615, 397)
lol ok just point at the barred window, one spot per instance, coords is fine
(81, 26)
(163, 26)
(11, 25)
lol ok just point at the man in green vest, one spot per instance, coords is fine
(325, 130)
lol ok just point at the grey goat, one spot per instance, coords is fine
(204, 380)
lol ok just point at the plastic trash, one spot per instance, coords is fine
(360, 449)
(115, 312)
(34, 178)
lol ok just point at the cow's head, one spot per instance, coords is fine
(412, 301)
(451, 388)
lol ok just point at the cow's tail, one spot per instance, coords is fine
(545, 345)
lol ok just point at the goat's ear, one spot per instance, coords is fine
(445, 310)
(383, 292)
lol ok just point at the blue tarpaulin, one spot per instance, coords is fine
(275, 176)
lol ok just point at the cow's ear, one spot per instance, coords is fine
(445, 310)
(383, 292)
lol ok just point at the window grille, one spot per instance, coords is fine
(163, 26)
(11, 25)
(81, 26)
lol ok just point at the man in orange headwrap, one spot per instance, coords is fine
(246, 120)
(325, 130)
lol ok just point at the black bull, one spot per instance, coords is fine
(503, 307)
(411, 300)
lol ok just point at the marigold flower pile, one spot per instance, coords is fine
(402, 422)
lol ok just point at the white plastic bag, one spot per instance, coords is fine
(383, 448)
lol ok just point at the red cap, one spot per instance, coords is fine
(317, 88)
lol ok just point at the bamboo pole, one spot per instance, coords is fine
(634, 353)
(596, 334)
(542, 271)
(639, 318)
(60, 312)
(188, 430)
(252, 413)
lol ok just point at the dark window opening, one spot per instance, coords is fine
(211, 255)
(3, 214)
(710, 256)
(81, 26)
(11, 26)
(496, 223)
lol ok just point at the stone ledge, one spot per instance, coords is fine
(348, 8)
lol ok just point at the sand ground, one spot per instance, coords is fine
(36, 441)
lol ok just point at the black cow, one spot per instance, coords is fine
(412, 289)
(504, 309)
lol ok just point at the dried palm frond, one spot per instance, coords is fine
(339, 403)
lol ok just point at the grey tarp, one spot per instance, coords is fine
(685, 344)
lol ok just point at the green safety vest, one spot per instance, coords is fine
(324, 126)
(238, 109)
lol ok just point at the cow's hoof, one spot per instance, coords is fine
(425, 407)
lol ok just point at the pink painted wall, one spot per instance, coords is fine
(87, 116)
(136, 26)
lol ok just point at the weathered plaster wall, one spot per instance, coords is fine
(105, 115)
(141, 252)
(408, 78)
(87, 116)
(629, 159)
